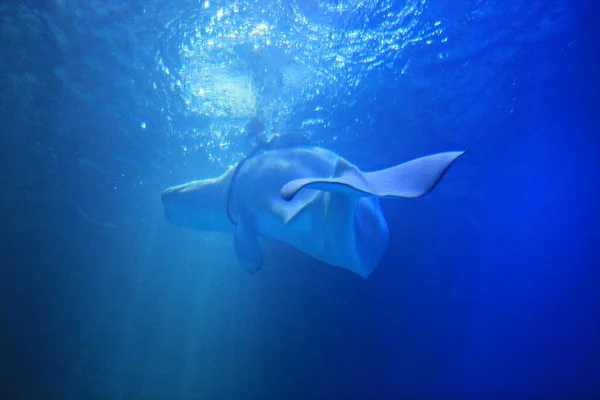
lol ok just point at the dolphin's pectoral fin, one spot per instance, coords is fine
(346, 178)
(247, 246)
(287, 210)
(414, 178)
(411, 179)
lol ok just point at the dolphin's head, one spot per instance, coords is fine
(198, 205)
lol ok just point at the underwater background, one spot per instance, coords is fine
(490, 287)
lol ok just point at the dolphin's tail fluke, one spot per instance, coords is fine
(411, 179)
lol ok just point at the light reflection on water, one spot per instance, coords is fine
(241, 59)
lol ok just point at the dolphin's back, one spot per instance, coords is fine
(342, 230)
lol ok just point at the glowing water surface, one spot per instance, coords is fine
(274, 59)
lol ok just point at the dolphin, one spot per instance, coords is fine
(306, 196)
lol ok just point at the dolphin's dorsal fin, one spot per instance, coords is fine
(411, 179)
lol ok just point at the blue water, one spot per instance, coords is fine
(490, 287)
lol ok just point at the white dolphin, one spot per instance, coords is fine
(307, 197)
